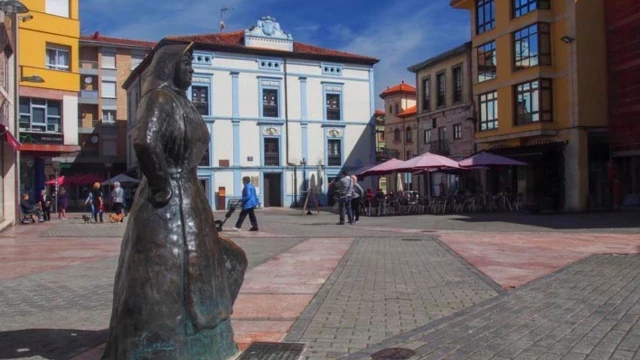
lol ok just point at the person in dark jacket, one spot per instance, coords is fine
(29, 209)
(98, 202)
(249, 203)
(45, 205)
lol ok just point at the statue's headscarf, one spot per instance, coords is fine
(163, 70)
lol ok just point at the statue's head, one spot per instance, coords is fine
(171, 66)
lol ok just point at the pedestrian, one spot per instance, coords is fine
(249, 203)
(97, 201)
(117, 199)
(45, 205)
(356, 199)
(28, 209)
(63, 202)
(344, 191)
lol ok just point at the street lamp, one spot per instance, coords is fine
(13, 7)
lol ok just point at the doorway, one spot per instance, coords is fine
(273, 190)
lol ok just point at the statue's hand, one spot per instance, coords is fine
(161, 198)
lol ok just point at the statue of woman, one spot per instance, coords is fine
(177, 279)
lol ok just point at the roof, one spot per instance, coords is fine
(409, 112)
(107, 40)
(236, 39)
(401, 88)
(379, 113)
(461, 49)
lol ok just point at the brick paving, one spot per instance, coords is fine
(589, 310)
(386, 287)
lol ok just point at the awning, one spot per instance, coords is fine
(8, 137)
(50, 148)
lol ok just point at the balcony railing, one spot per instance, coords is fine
(270, 111)
(271, 159)
(88, 64)
(440, 147)
(89, 94)
(334, 160)
(386, 154)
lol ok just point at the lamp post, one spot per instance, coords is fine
(56, 168)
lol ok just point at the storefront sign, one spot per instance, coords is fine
(41, 138)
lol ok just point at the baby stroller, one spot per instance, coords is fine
(227, 215)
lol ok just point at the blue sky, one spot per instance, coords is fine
(400, 33)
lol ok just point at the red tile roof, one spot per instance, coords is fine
(96, 37)
(409, 112)
(401, 88)
(236, 39)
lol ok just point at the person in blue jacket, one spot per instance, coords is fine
(249, 203)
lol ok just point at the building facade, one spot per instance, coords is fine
(287, 114)
(401, 128)
(540, 90)
(49, 85)
(623, 50)
(105, 63)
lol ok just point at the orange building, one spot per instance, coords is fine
(540, 93)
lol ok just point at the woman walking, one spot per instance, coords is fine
(356, 199)
(97, 202)
(63, 202)
(117, 199)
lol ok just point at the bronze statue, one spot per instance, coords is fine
(177, 279)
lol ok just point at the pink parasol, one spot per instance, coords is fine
(385, 168)
(427, 161)
(484, 158)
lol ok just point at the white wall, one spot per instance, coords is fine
(223, 142)
(70, 119)
(249, 143)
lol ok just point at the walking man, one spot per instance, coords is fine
(249, 203)
(117, 199)
(344, 191)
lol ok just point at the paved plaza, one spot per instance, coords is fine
(498, 286)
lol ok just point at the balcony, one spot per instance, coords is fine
(440, 147)
(272, 159)
(334, 160)
(386, 154)
(88, 67)
(88, 97)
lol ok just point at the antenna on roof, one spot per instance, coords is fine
(223, 11)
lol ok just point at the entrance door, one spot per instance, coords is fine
(273, 190)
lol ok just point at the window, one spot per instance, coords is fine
(396, 135)
(205, 161)
(397, 108)
(487, 61)
(335, 153)
(488, 111)
(270, 103)
(136, 59)
(108, 116)
(408, 155)
(440, 81)
(40, 115)
(57, 7)
(532, 46)
(457, 131)
(108, 60)
(333, 107)
(381, 135)
(200, 98)
(390, 109)
(408, 135)
(427, 136)
(533, 102)
(57, 57)
(521, 7)
(426, 94)
(457, 84)
(441, 147)
(108, 89)
(272, 152)
(109, 147)
(485, 15)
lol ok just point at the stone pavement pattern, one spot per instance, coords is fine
(386, 287)
(589, 310)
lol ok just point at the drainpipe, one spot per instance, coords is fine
(286, 129)
(16, 111)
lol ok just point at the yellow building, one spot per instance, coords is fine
(540, 92)
(48, 57)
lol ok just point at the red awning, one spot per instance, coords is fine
(8, 137)
(50, 148)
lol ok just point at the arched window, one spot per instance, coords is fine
(390, 109)
(396, 135)
(407, 135)
(397, 108)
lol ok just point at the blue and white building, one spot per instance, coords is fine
(289, 115)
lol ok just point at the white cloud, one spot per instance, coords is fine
(404, 36)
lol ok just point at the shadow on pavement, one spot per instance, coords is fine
(51, 344)
(595, 220)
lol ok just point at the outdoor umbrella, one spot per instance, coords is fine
(122, 179)
(484, 158)
(385, 168)
(53, 182)
(426, 161)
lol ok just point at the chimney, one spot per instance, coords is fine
(96, 35)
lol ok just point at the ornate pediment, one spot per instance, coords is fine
(268, 34)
